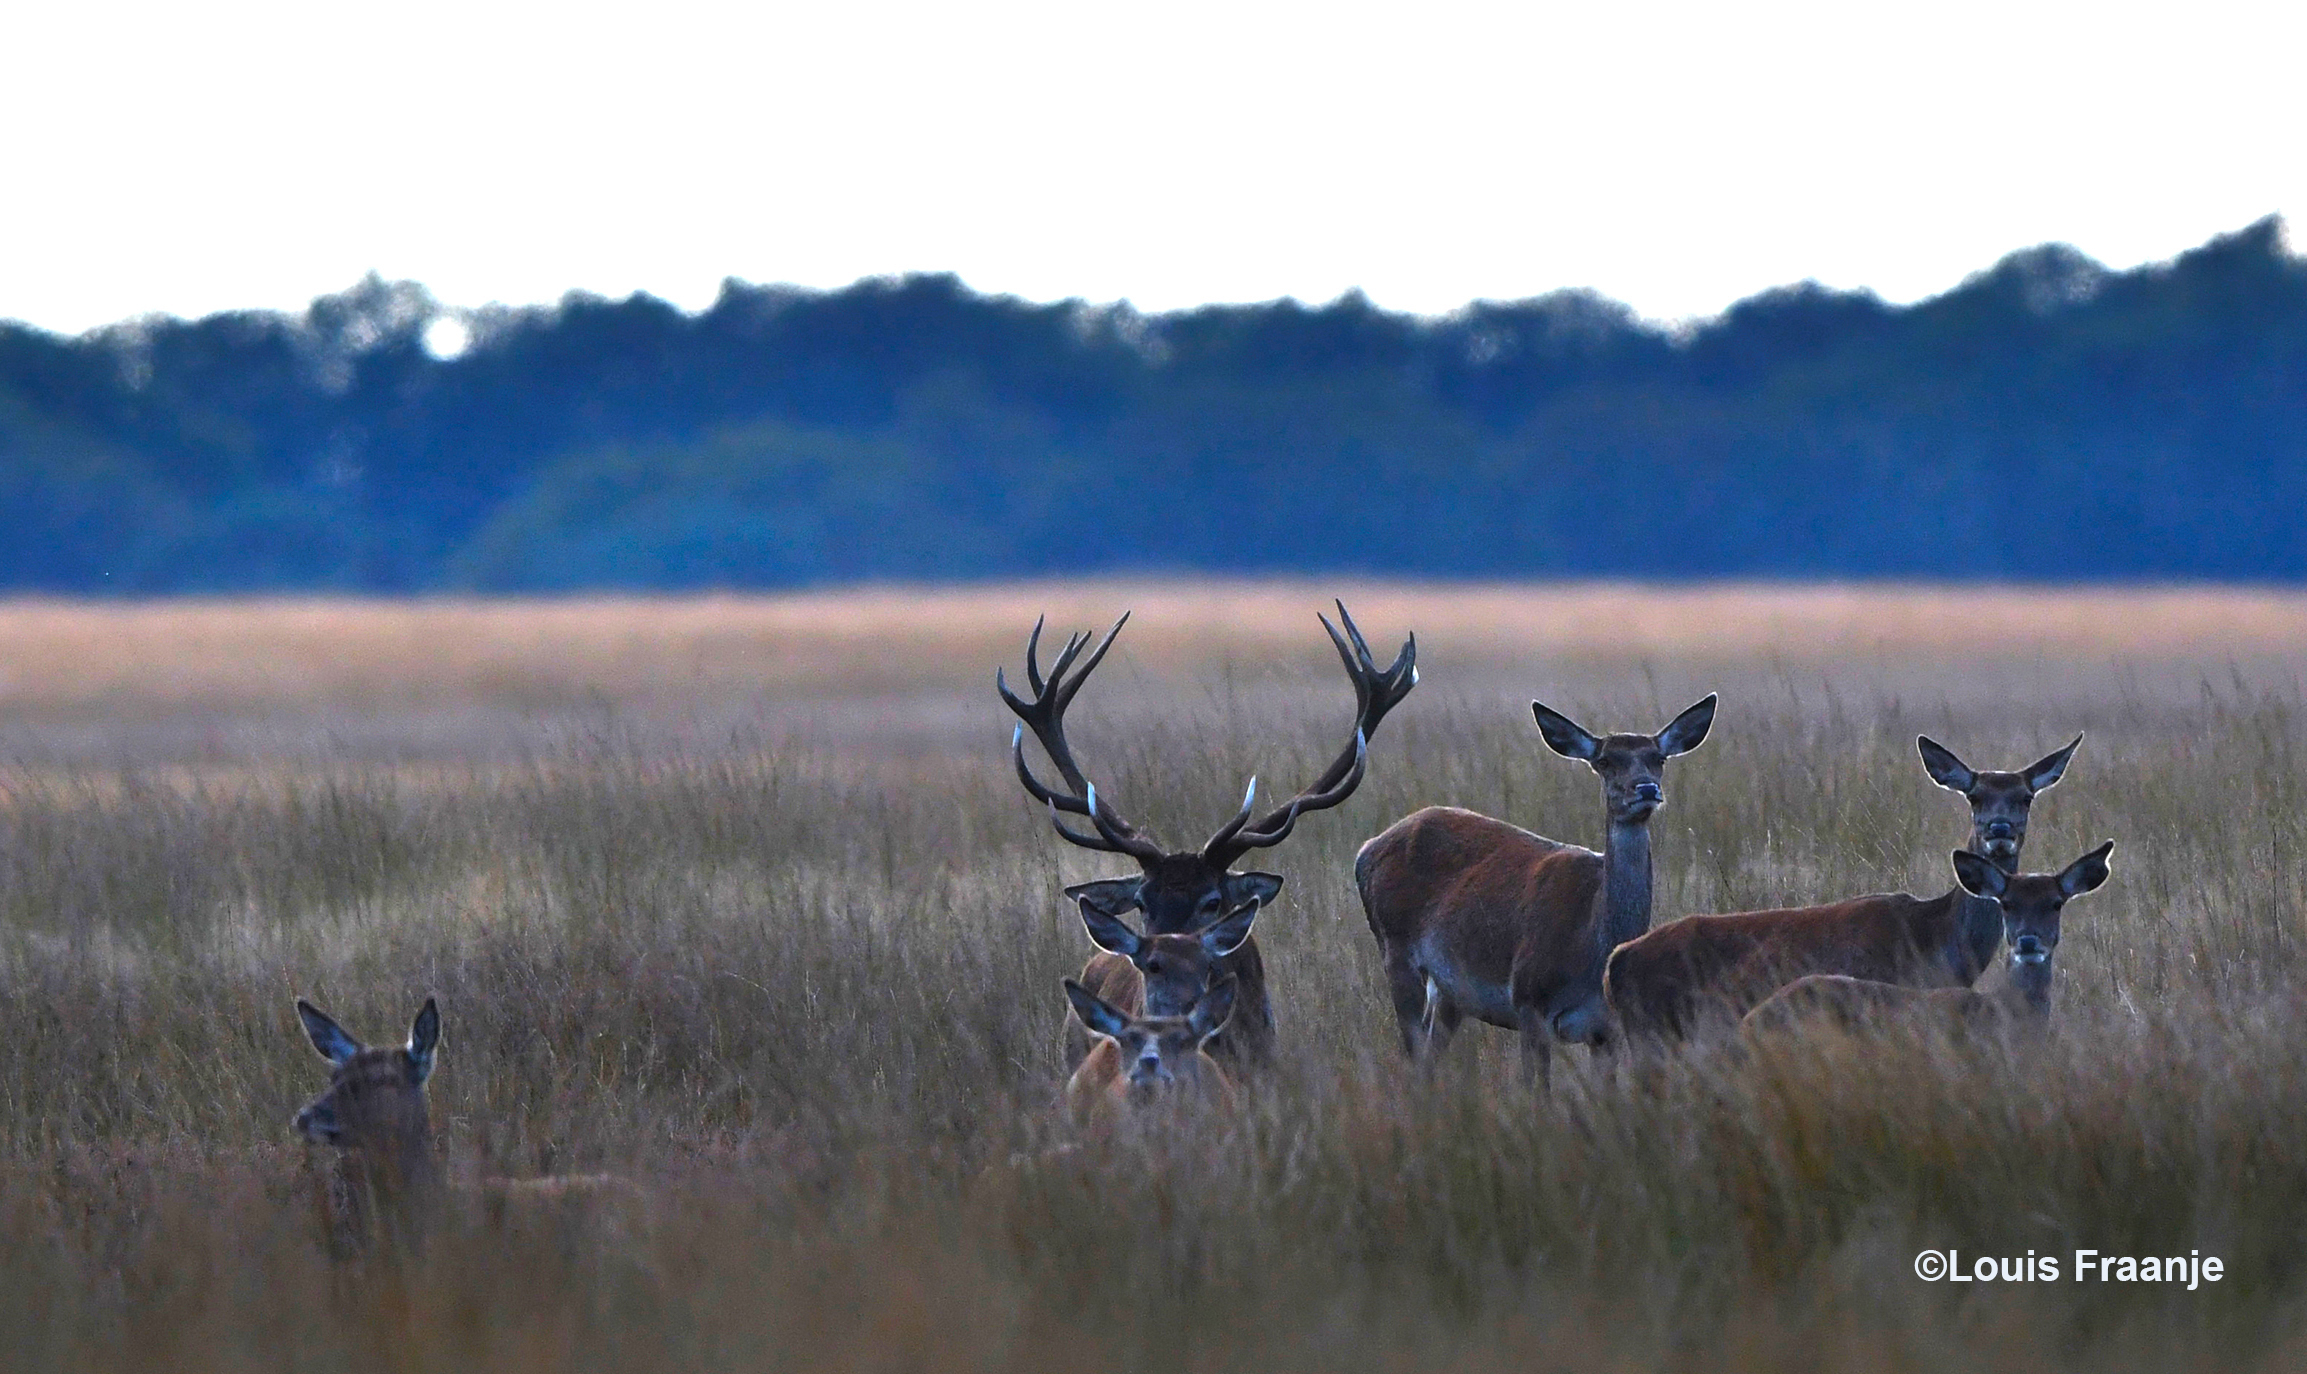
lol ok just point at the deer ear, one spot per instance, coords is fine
(1979, 877)
(1945, 769)
(2047, 770)
(1095, 1013)
(1688, 730)
(1215, 1008)
(2088, 872)
(1111, 896)
(1108, 932)
(1260, 888)
(1227, 933)
(327, 1036)
(424, 1040)
(1565, 736)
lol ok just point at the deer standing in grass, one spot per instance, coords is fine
(1140, 1060)
(2030, 904)
(1475, 917)
(1192, 890)
(388, 1177)
(1666, 983)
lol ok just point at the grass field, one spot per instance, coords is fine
(738, 899)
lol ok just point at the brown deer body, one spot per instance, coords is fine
(386, 1180)
(1152, 975)
(1139, 1061)
(1182, 891)
(2030, 903)
(1475, 917)
(1666, 983)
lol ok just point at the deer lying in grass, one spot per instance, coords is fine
(1664, 984)
(1477, 917)
(387, 1175)
(2030, 904)
(1151, 975)
(1140, 1060)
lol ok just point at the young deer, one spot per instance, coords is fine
(2030, 905)
(1477, 917)
(387, 1175)
(1139, 1060)
(1152, 975)
(1182, 890)
(1664, 984)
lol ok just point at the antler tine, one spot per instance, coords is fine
(1045, 716)
(1271, 831)
(1066, 693)
(1032, 669)
(1396, 681)
(1066, 656)
(1226, 832)
(1117, 832)
(1033, 785)
(1057, 823)
(1361, 645)
(1356, 656)
(1107, 840)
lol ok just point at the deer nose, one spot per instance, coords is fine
(2029, 949)
(1649, 792)
(1999, 830)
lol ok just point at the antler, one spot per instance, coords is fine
(1375, 693)
(1045, 716)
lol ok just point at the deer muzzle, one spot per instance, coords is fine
(2029, 950)
(1642, 799)
(317, 1124)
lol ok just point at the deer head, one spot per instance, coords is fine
(1156, 1054)
(2031, 904)
(376, 1097)
(1177, 968)
(1999, 801)
(1182, 890)
(1632, 767)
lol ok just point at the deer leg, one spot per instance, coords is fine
(1537, 1037)
(1411, 1011)
(1442, 1018)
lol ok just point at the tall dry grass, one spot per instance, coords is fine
(783, 948)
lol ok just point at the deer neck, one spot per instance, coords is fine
(1625, 884)
(1978, 927)
(2029, 990)
(402, 1176)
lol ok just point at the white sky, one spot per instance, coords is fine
(196, 157)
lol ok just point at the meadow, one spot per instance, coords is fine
(738, 899)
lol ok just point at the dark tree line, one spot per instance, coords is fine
(2047, 419)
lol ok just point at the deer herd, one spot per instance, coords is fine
(1478, 917)
(1473, 916)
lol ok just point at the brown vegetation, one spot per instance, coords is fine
(740, 901)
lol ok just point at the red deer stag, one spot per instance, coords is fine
(2030, 903)
(1140, 1060)
(1186, 890)
(1665, 983)
(1477, 917)
(1151, 975)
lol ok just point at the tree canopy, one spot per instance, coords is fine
(2047, 419)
